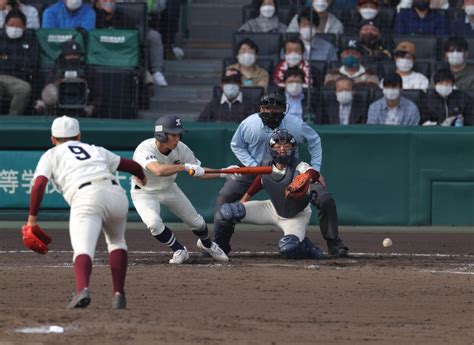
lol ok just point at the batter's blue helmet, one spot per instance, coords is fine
(168, 124)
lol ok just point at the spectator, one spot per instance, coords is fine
(344, 107)
(267, 21)
(69, 66)
(434, 5)
(295, 98)
(18, 58)
(456, 53)
(393, 109)
(464, 27)
(69, 14)
(443, 106)
(232, 105)
(405, 57)
(168, 15)
(315, 48)
(252, 74)
(293, 50)
(371, 42)
(352, 68)
(108, 17)
(31, 13)
(420, 20)
(327, 23)
(366, 10)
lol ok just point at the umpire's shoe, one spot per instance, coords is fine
(337, 249)
(80, 300)
(119, 301)
(215, 251)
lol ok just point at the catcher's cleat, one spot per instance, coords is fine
(337, 249)
(215, 251)
(179, 256)
(80, 300)
(119, 301)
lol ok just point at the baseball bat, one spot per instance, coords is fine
(242, 170)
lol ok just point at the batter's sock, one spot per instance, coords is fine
(82, 271)
(118, 260)
(203, 235)
(167, 237)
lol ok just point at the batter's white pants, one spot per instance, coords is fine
(148, 207)
(99, 206)
(264, 213)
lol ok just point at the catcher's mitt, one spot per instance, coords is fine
(298, 188)
(35, 239)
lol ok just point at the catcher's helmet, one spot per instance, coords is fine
(275, 100)
(168, 124)
(282, 136)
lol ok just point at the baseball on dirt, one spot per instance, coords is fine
(387, 242)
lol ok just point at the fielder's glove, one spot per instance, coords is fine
(298, 188)
(35, 239)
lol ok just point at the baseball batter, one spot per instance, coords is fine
(85, 175)
(291, 214)
(162, 157)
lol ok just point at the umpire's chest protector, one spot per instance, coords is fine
(275, 185)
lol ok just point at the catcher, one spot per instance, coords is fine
(85, 175)
(290, 192)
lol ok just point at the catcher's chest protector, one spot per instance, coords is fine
(275, 185)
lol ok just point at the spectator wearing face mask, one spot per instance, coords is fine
(464, 27)
(69, 14)
(371, 42)
(315, 48)
(392, 108)
(30, 12)
(405, 57)
(327, 23)
(295, 98)
(445, 104)
(456, 53)
(17, 62)
(367, 10)
(107, 17)
(344, 106)
(420, 19)
(267, 21)
(351, 57)
(231, 106)
(293, 50)
(434, 5)
(252, 74)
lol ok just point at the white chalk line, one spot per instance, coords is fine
(259, 253)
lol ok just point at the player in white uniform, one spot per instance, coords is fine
(162, 157)
(85, 175)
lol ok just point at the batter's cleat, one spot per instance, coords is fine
(119, 301)
(215, 251)
(337, 249)
(80, 300)
(179, 256)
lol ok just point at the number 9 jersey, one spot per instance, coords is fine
(73, 163)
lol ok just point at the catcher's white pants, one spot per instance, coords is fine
(264, 213)
(148, 207)
(99, 206)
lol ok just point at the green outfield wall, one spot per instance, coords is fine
(379, 175)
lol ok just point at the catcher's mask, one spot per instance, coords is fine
(273, 118)
(286, 148)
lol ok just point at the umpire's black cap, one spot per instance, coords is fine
(273, 99)
(169, 124)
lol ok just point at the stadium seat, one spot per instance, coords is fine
(426, 46)
(268, 43)
(137, 11)
(116, 91)
(51, 40)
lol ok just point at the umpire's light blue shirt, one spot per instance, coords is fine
(250, 141)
